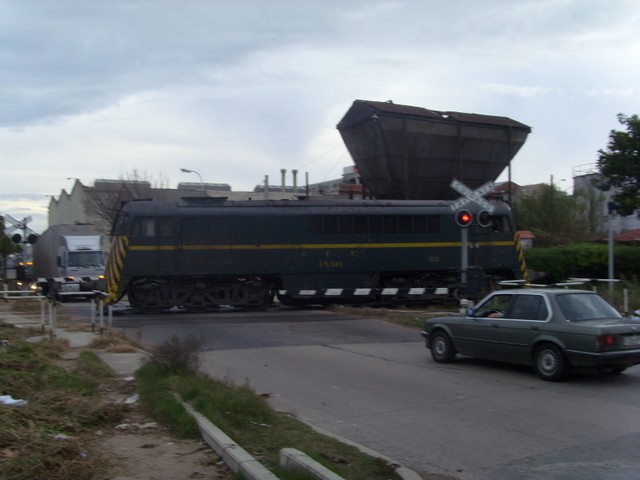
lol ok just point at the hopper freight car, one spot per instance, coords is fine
(200, 253)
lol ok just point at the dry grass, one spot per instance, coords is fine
(31, 308)
(51, 436)
(114, 342)
(409, 317)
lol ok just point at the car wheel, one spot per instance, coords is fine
(619, 369)
(442, 349)
(550, 363)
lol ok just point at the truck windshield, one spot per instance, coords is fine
(85, 259)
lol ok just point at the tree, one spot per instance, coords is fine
(7, 247)
(620, 165)
(103, 201)
(553, 216)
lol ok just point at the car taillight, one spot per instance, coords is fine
(607, 340)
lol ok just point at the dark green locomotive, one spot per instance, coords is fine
(199, 253)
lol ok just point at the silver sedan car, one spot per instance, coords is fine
(554, 330)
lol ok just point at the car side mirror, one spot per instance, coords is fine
(470, 312)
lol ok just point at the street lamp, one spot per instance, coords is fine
(186, 170)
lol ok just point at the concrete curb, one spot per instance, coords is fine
(236, 458)
(292, 459)
(404, 472)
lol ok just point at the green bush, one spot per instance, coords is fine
(590, 260)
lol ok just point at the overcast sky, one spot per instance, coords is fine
(239, 89)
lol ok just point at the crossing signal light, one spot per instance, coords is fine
(464, 218)
(484, 218)
(17, 238)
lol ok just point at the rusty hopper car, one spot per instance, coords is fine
(413, 153)
(200, 253)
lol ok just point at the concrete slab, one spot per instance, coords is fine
(124, 364)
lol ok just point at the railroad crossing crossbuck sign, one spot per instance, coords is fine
(464, 218)
(472, 196)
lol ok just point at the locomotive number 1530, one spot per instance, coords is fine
(331, 264)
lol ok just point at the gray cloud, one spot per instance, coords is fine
(239, 89)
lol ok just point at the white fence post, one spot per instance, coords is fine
(101, 319)
(94, 304)
(43, 316)
(53, 319)
(49, 313)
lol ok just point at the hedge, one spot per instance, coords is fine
(585, 260)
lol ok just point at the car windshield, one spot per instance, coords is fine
(577, 307)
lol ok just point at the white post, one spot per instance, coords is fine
(94, 305)
(50, 314)
(42, 314)
(101, 321)
(54, 319)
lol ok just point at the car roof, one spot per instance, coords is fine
(545, 291)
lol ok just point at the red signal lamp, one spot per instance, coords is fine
(464, 218)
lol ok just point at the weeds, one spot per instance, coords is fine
(26, 305)
(157, 399)
(114, 343)
(241, 413)
(88, 364)
(413, 317)
(49, 437)
(179, 354)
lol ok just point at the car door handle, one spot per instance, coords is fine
(535, 328)
(495, 325)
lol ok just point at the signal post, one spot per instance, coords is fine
(464, 217)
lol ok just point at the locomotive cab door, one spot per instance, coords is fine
(488, 245)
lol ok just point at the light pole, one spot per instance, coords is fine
(186, 170)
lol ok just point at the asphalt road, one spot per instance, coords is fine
(374, 383)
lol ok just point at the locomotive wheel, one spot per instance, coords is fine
(197, 303)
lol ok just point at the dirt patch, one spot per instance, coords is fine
(156, 456)
(138, 448)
